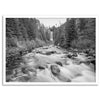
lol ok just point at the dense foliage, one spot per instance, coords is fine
(22, 36)
(76, 33)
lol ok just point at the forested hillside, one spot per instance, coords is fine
(22, 36)
(20, 31)
(76, 33)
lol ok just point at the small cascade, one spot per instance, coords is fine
(51, 36)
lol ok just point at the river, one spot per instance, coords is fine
(52, 64)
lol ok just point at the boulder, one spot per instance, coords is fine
(59, 63)
(55, 70)
(41, 67)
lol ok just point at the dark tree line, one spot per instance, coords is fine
(23, 29)
(76, 33)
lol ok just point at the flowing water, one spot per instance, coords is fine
(52, 64)
(51, 36)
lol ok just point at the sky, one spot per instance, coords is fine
(49, 22)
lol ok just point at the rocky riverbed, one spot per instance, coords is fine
(53, 64)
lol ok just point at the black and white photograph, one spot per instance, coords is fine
(50, 50)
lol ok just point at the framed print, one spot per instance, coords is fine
(39, 50)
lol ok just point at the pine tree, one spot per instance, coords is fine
(70, 32)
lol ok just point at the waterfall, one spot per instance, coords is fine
(51, 36)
